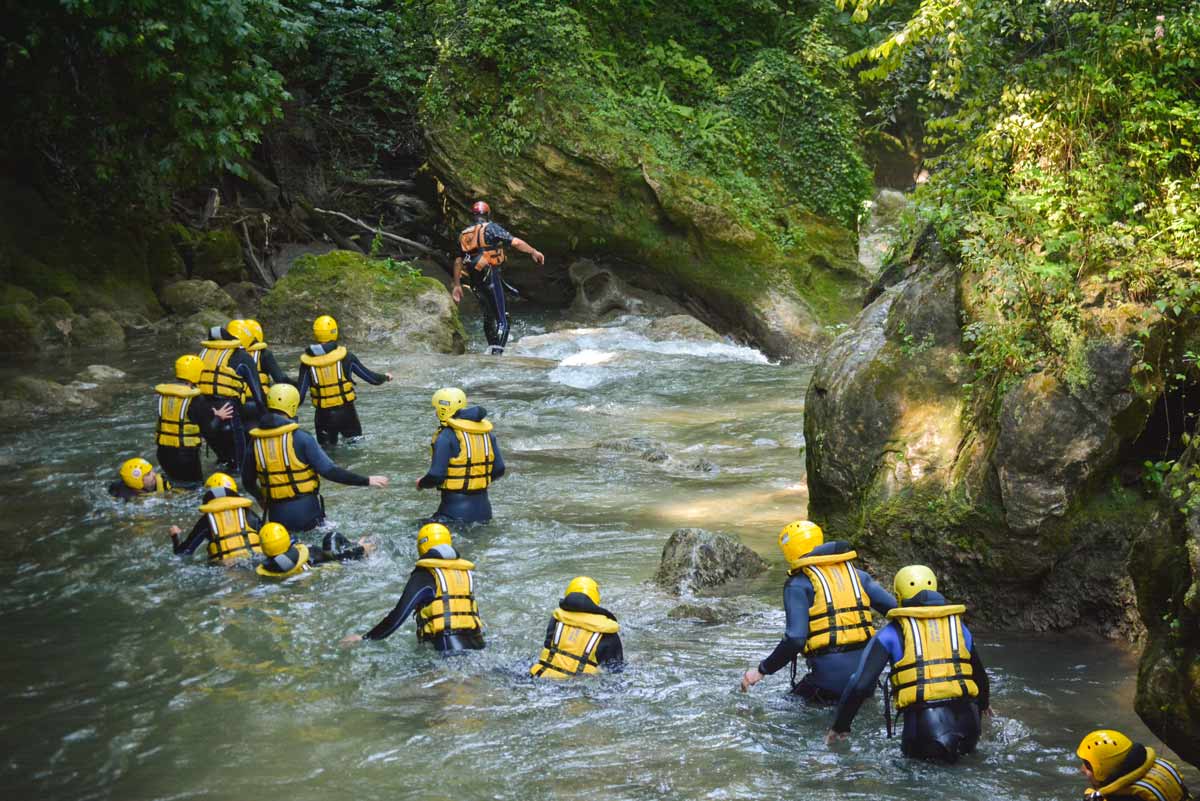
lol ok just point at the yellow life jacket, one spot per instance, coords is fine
(330, 387)
(300, 566)
(840, 615)
(232, 537)
(1154, 780)
(453, 607)
(936, 663)
(255, 351)
(472, 241)
(471, 470)
(281, 474)
(173, 429)
(573, 646)
(217, 377)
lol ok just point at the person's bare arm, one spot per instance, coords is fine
(525, 247)
(456, 281)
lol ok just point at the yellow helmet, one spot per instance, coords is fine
(912, 580)
(256, 330)
(221, 480)
(241, 332)
(325, 328)
(1104, 750)
(134, 470)
(799, 537)
(283, 398)
(447, 401)
(585, 585)
(274, 539)
(188, 368)
(430, 536)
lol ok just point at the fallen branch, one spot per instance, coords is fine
(385, 234)
(267, 279)
(385, 182)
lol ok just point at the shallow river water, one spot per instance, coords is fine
(128, 674)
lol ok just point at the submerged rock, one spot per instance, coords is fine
(681, 326)
(101, 374)
(373, 301)
(649, 450)
(695, 560)
(711, 613)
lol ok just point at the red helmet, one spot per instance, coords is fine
(481, 208)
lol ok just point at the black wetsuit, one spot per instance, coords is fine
(464, 506)
(305, 512)
(202, 532)
(488, 286)
(229, 440)
(942, 730)
(828, 673)
(419, 592)
(339, 420)
(267, 365)
(341, 551)
(182, 465)
(610, 655)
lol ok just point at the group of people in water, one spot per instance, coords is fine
(234, 396)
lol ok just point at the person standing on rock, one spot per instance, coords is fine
(229, 376)
(328, 370)
(937, 678)
(465, 459)
(482, 244)
(184, 416)
(828, 601)
(582, 637)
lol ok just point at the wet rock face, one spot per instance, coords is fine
(26, 398)
(695, 560)
(599, 292)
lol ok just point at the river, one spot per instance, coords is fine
(129, 674)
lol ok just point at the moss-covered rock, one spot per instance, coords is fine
(20, 330)
(98, 330)
(184, 298)
(210, 255)
(372, 300)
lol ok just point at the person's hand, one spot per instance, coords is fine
(350, 639)
(366, 545)
(175, 531)
(834, 736)
(419, 487)
(750, 678)
(377, 481)
(988, 713)
(456, 293)
(389, 376)
(224, 413)
(537, 257)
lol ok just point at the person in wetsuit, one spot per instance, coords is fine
(1118, 769)
(184, 416)
(439, 596)
(250, 334)
(284, 558)
(227, 525)
(137, 478)
(328, 370)
(828, 601)
(482, 244)
(229, 376)
(937, 679)
(582, 636)
(287, 466)
(464, 461)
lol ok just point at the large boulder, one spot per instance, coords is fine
(698, 561)
(210, 255)
(185, 298)
(373, 301)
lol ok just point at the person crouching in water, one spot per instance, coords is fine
(227, 524)
(328, 370)
(1118, 769)
(465, 459)
(937, 678)
(439, 595)
(184, 416)
(285, 558)
(582, 636)
(137, 478)
(828, 601)
(287, 467)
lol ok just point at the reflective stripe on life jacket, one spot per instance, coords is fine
(1154, 780)
(291, 568)
(217, 377)
(232, 537)
(471, 469)
(173, 429)
(453, 608)
(936, 663)
(256, 353)
(281, 474)
(572, 650)
(330, 386)
(840, 615)
(479, 253)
